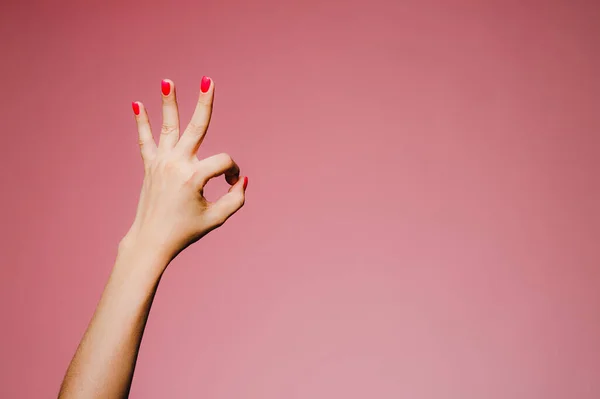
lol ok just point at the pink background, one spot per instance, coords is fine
(422, 218)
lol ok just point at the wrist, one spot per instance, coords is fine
(140, 245)
(141, 258)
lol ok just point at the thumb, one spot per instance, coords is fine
(231, 202)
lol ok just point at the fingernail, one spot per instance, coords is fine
(136, 108)
(165, 86)
(205, 84)
(245, 182)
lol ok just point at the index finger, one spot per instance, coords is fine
(215, 166)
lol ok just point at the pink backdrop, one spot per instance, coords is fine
(422, 217)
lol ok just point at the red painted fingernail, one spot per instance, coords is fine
(245, 182)
(136, 108)
(205, 84)
(165, 86)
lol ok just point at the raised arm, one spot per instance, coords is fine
(172, 214)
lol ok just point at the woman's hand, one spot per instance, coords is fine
(172, 214)
(172, 211)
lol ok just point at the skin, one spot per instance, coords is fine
(172, 214)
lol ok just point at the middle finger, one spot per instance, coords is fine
(169, 132)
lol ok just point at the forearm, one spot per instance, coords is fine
(104, 362)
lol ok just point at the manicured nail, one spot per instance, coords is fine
(205, 84)
(245, 182)
(165, 86)
(136, 108)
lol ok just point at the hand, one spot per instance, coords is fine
(172, 212)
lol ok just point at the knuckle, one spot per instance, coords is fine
(168, 129)
(198, 178)
(166, 165)
(218, 219)
(220, 222)
(225, 158)
(197, 128)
